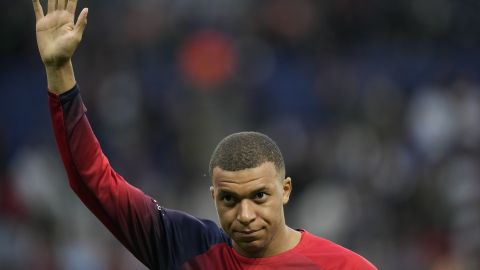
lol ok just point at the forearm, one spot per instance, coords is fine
(60, 79)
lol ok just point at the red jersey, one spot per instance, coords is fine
(311, 253)
(163, 238)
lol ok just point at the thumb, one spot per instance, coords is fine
(81, 22)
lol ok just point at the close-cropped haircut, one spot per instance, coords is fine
(246, 150)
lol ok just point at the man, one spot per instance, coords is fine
(249, 186)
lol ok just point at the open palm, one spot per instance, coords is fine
(57, 35)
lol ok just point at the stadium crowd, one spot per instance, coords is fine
(375, 104)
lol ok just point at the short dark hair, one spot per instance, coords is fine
(246, 150)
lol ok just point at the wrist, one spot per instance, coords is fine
(60, 78)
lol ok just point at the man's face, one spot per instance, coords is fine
(250, 207)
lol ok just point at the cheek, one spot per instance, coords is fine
(271, 212)
(226, 217)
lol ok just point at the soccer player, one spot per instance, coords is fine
(249, 186)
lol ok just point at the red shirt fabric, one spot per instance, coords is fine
(311, 253)
(164, 238)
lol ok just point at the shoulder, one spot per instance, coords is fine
(330, 255)
(182, 224)
(186, 237)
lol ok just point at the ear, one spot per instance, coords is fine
(212, 192)
(287, 189)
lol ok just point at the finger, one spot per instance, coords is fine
(72, 6)
(61, 4)
(37, 7)
(81, 23)
(51, 5)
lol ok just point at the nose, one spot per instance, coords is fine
(246, 212)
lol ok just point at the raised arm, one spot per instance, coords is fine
(125, 210)
(58, 38)
(160, 238)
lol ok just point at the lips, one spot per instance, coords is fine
(247, 234)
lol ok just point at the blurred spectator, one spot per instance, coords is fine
(375, 104)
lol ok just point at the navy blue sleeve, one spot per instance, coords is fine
(188, 236)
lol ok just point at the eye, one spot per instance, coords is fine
(261, 196)
(228, 199)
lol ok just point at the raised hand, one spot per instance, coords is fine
(57, 34)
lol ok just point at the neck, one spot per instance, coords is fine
(286, 239)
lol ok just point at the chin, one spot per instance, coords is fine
(252, 249)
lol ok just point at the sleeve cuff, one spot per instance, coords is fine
(69, 95)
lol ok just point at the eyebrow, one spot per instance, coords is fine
(223, 191)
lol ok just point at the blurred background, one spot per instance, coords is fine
(375, 104)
